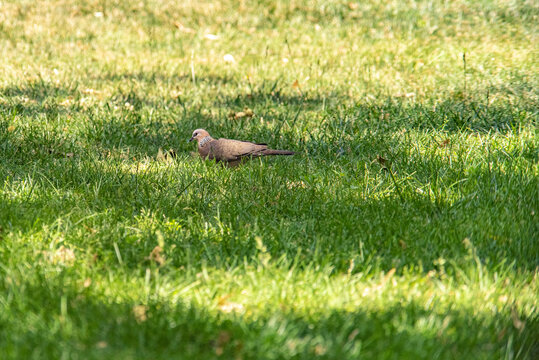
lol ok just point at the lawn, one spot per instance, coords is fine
(405, 227)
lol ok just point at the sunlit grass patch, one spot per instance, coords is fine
(405, 225)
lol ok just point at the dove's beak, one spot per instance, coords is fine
(191, 139)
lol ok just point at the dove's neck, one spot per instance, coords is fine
(202, 142)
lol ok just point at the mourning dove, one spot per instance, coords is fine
(231, 152)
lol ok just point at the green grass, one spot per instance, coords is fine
(405, 227)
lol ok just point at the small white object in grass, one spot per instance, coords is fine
(211, 37)
(63, 255)
(66, 102)
(98, 14)
(229, 307)
(285, 60)
(229, 58)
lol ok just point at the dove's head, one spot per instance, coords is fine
(199, 134)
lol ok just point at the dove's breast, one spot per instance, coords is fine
(204, 151)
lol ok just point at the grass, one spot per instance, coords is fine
(405, 227)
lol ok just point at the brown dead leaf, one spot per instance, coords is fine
(246, 113)
(160, 156)
(223, 299)
(139, 311)
(388, 276)
(320, 349)
(296, 86)
(381, 161)
(156, 255)
(517, 323)
(182, 28)
(239, 115)
(444, 143)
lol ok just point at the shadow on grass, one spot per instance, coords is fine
(84, 322)
(213, 219)
(355, 129)
(321, 223)
(151, 77)
(336, 122)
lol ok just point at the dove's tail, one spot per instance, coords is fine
(277, 152)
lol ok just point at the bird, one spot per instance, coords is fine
(231, 152)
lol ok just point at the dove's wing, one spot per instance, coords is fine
(231, 150)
